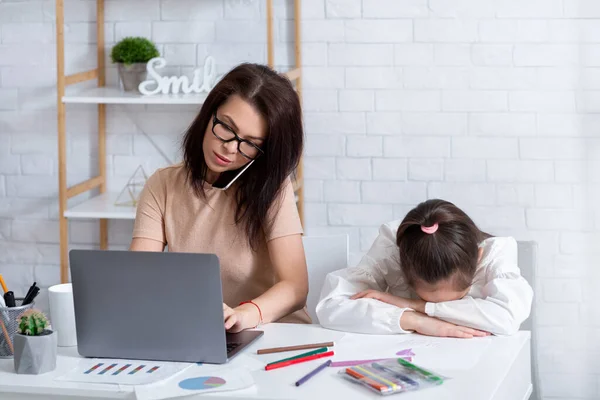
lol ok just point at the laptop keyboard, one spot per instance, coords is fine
(232, 346)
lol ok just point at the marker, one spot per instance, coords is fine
(313, 372)
(9, 297)
(298, 360)
(310, 353)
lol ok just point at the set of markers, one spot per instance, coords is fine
(392, 376)
(322, 351)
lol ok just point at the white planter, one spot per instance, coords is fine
(35, 354)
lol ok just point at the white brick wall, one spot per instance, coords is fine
(491, 104)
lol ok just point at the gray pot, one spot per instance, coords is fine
(132, 75)
(35, 354)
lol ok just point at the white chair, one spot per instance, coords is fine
(324, 254)
(527, 263)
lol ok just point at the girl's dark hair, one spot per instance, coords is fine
(450, 252)
(274, 98)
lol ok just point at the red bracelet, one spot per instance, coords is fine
(259, 311)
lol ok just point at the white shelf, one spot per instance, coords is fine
(111, 95)
(101, 206)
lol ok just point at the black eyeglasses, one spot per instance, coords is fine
(225, 134)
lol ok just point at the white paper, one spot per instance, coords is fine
(363, 347)
(123, 372)
(197, 380)
(436, 353)
(446, 354)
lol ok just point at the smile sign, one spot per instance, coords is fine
(202, 82)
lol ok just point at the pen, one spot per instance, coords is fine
(30, 296)
(30, 290)
(313, 373)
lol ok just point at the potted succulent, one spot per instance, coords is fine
(131, 55)
(34, 344)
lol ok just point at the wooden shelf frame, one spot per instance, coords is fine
(99, 206)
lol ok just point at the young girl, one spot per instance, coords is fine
(435, 273)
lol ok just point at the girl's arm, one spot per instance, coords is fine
(506, 296)
(336, 309)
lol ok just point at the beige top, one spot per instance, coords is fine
(171, 212)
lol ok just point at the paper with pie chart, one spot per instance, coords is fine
(196, 380)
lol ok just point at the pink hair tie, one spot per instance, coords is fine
(430, 229)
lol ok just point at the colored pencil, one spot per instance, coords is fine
(310, 353)
(4, 288)
(298, 361)
(292, 348)
(7, 336)
(313, 373)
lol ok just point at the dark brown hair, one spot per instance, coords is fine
(274, 98)
(450, 252)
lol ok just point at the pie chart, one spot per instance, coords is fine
(202, 383)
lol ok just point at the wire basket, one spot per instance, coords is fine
(8, 326)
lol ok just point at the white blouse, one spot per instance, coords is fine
(498, 301)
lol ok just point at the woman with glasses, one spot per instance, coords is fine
(232, 196)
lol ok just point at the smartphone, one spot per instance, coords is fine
(226, 179)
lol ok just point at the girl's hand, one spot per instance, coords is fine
(425, 325)
(417, 305)
(240, 318)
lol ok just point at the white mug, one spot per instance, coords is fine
(62, 314)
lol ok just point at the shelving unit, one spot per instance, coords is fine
(106, 95)
(102, 206)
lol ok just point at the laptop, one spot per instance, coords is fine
(160, 306)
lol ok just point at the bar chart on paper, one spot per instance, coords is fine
(125, 372)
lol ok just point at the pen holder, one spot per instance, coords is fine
(8, 326)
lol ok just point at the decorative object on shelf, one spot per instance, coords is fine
(204, 79)
(130, 194)
(35, 344)
(131, 54)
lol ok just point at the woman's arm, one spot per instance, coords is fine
(149, 227)
(289, 294)
(283, 298)
(144, 244)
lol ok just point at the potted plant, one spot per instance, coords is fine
(34, 344)
(131, 55)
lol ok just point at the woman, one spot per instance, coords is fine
(252, 118)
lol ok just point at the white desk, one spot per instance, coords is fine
(495, 368)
